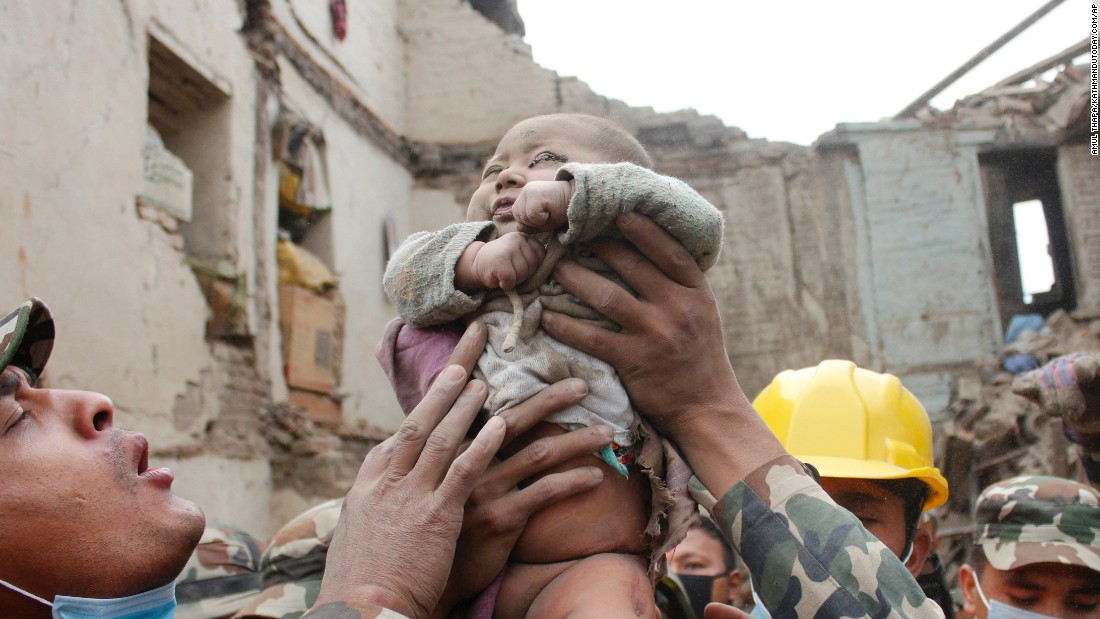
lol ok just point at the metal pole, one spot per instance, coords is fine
(923, 100)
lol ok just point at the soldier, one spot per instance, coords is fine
(807, 557)
(1036, 550)
(90, 529)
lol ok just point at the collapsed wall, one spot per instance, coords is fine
(993, 434)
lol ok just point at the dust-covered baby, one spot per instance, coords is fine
(554, 183)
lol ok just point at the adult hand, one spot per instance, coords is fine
(498, 509)
(670, 352)
(395, 540)
(1067, 387)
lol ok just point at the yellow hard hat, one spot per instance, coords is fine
(853, 423)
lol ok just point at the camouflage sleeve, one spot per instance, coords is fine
(420, 276)
(344, 610)
(809, 557)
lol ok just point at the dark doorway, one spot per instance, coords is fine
(1022, 197)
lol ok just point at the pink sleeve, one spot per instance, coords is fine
(413, 357)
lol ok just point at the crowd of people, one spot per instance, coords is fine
(814, 491)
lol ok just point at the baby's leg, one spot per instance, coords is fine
(604, 586)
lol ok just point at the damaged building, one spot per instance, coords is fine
(206, 195)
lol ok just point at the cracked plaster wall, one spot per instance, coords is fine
(130, 315)
(369, 62)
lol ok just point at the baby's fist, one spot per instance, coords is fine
(506, 261)
(542, 205)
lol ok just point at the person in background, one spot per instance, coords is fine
(707, 567)
(871, 441)
(1068, 388)
(932, 576)
(1036, 551)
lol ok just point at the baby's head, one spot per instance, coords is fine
(535, 148)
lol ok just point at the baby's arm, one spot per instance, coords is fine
(500, 263)
(420, 276)
(597, 193)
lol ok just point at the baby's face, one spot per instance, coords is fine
(533, 150)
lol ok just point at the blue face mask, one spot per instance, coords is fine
(759, 610)
(998, 610)
(159, 603)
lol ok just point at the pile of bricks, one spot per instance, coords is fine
(993, 433)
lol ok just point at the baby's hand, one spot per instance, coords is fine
(505, 262)
(542, 205)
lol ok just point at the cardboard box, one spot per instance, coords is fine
(321, 408)
(310, 349)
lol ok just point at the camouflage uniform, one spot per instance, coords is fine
(1032, 519)
(292, 566)
(808, 557)
(221, 575)
(26, 337)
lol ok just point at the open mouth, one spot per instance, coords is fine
(143, 457)
(503, 207)
(143, 461)
(159, 475)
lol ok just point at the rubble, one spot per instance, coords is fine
(1037, 107)
(993, 434)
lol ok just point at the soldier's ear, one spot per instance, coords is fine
(971, 601)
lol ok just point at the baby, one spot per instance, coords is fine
(554, 183)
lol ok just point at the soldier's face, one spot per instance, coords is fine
(1051, 589)
(81, 512)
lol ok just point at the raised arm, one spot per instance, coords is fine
(584, 200)
(807, 556)
(420, 276)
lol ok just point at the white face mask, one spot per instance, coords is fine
(999, 610)
(159, 603)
